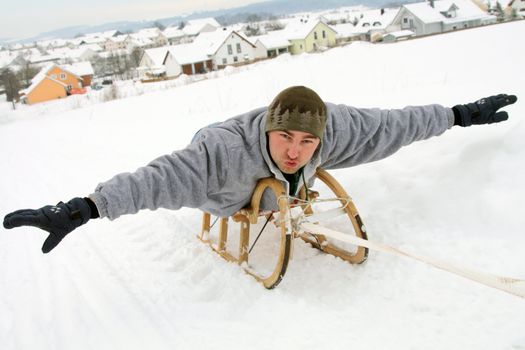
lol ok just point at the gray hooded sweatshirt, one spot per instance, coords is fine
(219, 170)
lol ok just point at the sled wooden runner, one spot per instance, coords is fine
(282, 219)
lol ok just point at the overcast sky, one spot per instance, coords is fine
(26, 18)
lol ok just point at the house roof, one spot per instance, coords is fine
(400, 33)
(147, 33)
(173, 32)
(272, 40)
(210, 42)
(466, 10)
(300, 29)
(188, 53)
(157, 55)
(6, 58)
(79, 68)
(194, 26)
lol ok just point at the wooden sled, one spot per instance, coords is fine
(250, 215)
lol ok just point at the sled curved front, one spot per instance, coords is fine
(249, 216)
(320, 241)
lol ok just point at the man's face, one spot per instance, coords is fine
(291, 150)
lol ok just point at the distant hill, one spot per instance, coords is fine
(227, 16)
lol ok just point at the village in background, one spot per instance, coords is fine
(58, 68)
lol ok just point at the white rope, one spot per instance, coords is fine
(509, 285)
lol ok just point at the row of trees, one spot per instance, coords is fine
(119, 66)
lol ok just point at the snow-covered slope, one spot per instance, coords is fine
(145, 281)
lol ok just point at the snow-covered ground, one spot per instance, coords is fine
(145, 281)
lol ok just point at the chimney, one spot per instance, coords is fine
(382, 12)
(431, 3)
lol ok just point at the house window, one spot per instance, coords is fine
(53, 76)
(315, 35)
(235, 59)
(405, 20)
(69, 87)
(238, 48)
(324, 34)
(230, 50)
(224, 61)
(62, 76)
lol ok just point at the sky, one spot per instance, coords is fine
(19, 22)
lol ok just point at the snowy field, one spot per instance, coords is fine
(145, 281)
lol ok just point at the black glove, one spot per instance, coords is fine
(484, 111)
(58, 220)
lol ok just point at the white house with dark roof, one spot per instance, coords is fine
(425, 18)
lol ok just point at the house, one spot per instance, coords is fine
(174, 35)
(425, 18)
(225, 47)
(152, 64)
(116, 43)
(51, 83)
(271, 44)
(84, 70)
(189, 58)
(306, 35)
(195, 27)
(153, 34)
(366, 25)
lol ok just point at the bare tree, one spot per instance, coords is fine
(11, 85)
(136, 56)
(26, 73)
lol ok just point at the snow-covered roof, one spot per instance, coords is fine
(149, 33)
(173, 32)
(210, 42)
(194, 26)
(94, 47)
(188, 53)
(346, 13)
(377, 18)
(6, 58)
(347, 30)
(401, 33)
(157, 55)
(45, 58)
(119, 38)
(79, 68)
(466, 10)
(95, 40)
(272, 40)
(299, 29)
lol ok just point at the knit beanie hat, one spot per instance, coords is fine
(297, 108)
